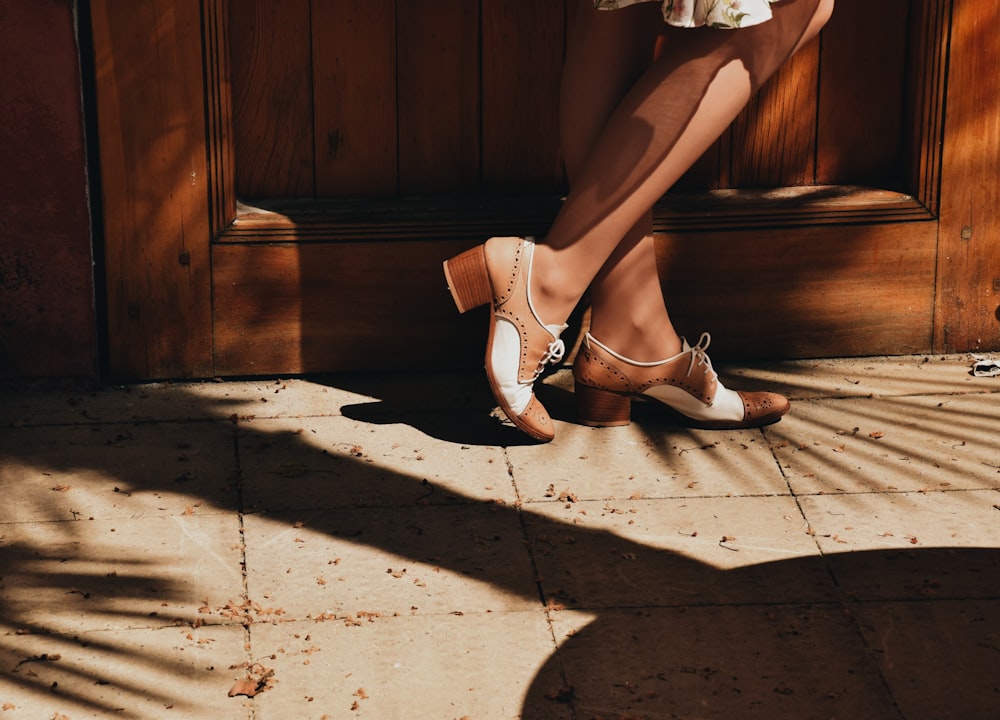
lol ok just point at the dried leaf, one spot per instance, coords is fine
(254, 683)
(247, 687)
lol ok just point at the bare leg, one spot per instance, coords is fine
(607, 53)
(670, 116)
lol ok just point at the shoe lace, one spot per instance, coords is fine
(553, 354)
(699, 356)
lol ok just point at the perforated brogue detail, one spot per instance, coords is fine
(763, 408)
(601, 369)
(594, 368)
(535, 421)
(508, 263)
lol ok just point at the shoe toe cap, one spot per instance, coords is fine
(763, 408)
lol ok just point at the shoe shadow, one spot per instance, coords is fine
(462, 412)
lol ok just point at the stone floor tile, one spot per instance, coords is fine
(910, 545)
(646, 461)
(336, 462)
(154, 674)
(879, 445)
(389, 561)
(751, 661)
(862, 377)
(117, 470)
(676, 552)
(64, 577)
(939, 659)
(480, 666)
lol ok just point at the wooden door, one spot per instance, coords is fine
(281, 183)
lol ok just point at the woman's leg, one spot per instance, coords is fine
(606, 55)
(675, 110)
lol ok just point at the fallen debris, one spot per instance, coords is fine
(257, 681)
(985, 367)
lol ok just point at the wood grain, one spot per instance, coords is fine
(523, 48)
(354, 94)
(816, 270)
(968, 299)
(348, 306)
(383, 306)
(861, 97)
(773, 140)
(807, 292)
(439, 97)
(272, 97)
(152, 139)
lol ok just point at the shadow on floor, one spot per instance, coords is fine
(788, 639)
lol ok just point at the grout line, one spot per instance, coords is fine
(241, 514)
(567, 688)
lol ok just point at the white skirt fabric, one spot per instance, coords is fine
(727, 14)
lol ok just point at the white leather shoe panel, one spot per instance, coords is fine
(727, 404)
(505, 360)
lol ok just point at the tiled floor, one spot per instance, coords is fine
(380, 547)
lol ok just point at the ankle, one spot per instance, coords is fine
(552, 291)
(636, 343)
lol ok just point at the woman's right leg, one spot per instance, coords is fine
(607, 53)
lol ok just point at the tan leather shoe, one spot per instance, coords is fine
(520, 345)
(686, 384)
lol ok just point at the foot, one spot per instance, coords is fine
(685, 384)
(520, 344)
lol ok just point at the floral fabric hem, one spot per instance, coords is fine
(696, 13)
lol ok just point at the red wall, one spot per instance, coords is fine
(47, 319)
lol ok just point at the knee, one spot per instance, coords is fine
(824, 9)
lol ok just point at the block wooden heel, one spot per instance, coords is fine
(468, 279)
(602, 408)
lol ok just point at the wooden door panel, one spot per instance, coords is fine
(799, 293)
(459, 98)
(272, 98)
(523, 47)
(353, 93)
(340, 306)
(773, 141)
(861, 95)
(439, 96)
(820, 291)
